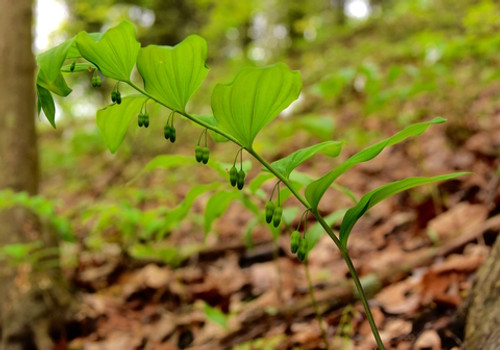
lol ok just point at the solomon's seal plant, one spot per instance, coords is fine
(241, 109)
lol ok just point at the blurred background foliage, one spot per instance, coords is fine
(401, 62)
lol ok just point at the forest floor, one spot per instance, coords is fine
(417, 254)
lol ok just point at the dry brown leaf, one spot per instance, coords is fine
(429, 339)
(460, 219)
(400, 298)
(443, 283)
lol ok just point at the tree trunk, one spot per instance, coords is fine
(26, 296)
(482, 330)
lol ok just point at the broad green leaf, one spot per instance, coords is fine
(216, 206)
(172, 74)
(73, 51)
(375, 196)
(286, 165)
(46, 103)
(50, 63)
(316, 190)
(253, 99)
(57, 86)
(115, 53)
(113, 120)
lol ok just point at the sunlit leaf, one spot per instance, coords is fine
(216, 206)
(113, 120)
(375, 196)
(172, 74)
(286, 165)
(115, 53)
(57, 86)
(50, 63)
(49, 77)
(315, 190)
(253, 99)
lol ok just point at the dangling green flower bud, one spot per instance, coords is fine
(166, 132)
(233, 176)
(278, 211)
(145, 119)
(113, 96)
(269, 211)
(172, 134)
(241, 179)
(303, 247)
(295, 241)
(205, 155)
(198, 153)
(72, 67)
(96, 80)
(118, 97)
(140, 120)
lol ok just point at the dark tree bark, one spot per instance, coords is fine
(482, 329)
(27, 300)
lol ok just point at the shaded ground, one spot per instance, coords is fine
(417, 253)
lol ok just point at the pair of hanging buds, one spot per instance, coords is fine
(115, 95)
(96, 79)
(237, 177)
(143, 117)
(169, 130)
(274, 212)
(298, 244)
(202, 154)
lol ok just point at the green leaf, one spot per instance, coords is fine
(113, 120)
(176, 215)
(215, 315)
(375, 196)
(50, 63)
(316, 189)
(286, 165)
(49, 77)
(253, 99)
(216, 206)
(46, 103)
(172, 74)
(57, 86)
(74, 52)
(115, 53)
